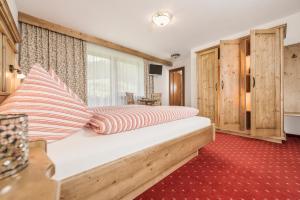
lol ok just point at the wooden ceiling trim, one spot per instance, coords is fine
(25, 18)
(8, 26)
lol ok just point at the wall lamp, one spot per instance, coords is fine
(20, 75)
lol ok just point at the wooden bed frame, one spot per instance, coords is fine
(130, 176)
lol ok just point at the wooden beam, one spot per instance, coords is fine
(25, 18)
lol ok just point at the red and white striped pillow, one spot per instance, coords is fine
(54, 111)
(116, 119)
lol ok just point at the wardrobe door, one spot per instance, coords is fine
(230, 85)
(266, 70)
(207, 65)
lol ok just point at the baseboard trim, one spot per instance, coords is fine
(247, 135)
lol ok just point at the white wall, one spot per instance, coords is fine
(293, 36)
(13, 9)
(292, 125)
(161, 83)
(185, 62)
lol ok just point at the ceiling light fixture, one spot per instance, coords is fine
(175, 55)
(161, 18)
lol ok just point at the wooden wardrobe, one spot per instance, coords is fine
(208, 78)
(240, 85)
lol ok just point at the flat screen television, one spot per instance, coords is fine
(155, 69)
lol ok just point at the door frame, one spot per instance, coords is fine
(183, 83)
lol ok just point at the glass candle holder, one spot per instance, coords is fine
(13, 144)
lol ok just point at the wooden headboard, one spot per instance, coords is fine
(9, 37)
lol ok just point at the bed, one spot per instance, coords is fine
(139, 145)
(122, 166)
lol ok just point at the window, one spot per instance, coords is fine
(111, 74)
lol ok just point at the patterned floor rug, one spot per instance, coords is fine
(235, 168)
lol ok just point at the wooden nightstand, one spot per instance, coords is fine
(33, 182)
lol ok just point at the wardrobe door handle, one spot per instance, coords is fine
(253, 82)
(222, 84)
(216, 86)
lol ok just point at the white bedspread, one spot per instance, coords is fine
(86, 150)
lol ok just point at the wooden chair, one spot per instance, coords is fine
(157, 97)
(129, 98)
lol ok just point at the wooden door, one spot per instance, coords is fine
(176, 84)
(266, 70)
(207, 75)
(230, 85)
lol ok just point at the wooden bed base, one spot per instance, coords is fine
(129, 176)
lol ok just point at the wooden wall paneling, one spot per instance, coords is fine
(230, 85)
(23, 17)
(8, 26)
(2, 72)
(266, 66)
(8, 57)
(207, 73)
(292, 79)
(4, 64)
(9, 36)
(11, 78)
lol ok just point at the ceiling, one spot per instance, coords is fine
(128, 22)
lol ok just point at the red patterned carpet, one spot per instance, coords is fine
(235, 168)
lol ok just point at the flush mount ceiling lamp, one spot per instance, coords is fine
(175, 55)
(161, 18)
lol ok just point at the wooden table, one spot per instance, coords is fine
(33, 182)
(149, 102)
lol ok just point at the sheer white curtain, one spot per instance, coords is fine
(111, 74)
